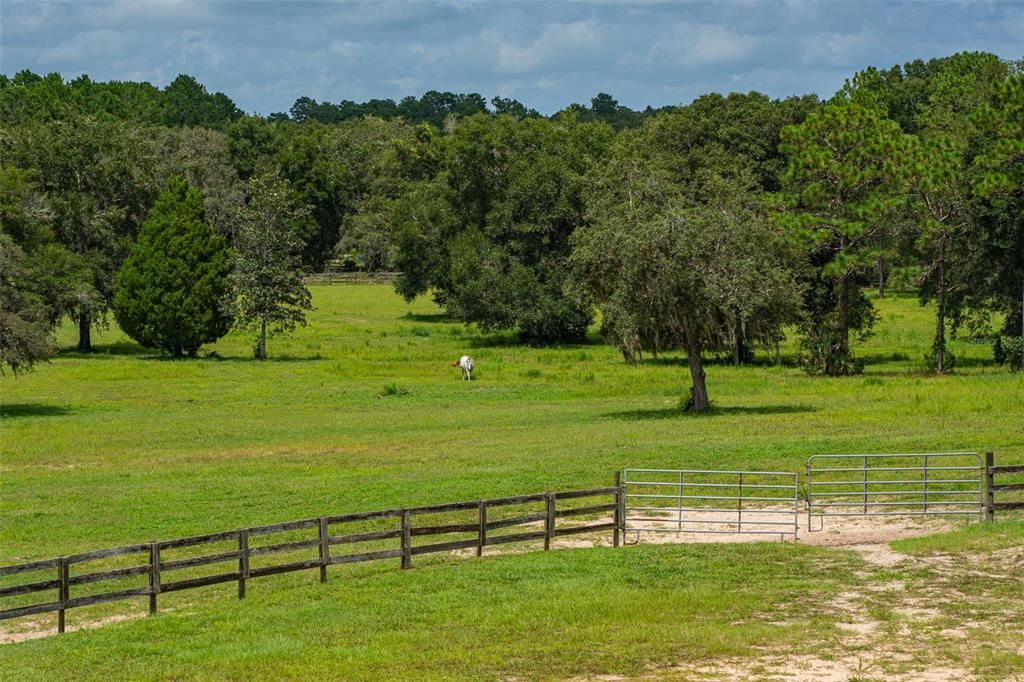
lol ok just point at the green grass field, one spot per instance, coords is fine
(361, 411)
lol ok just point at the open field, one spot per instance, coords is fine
(361, 411)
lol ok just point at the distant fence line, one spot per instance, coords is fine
(484, 529)
(351, 278)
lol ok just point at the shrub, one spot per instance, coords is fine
(171, 288)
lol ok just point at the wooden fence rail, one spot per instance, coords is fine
(991, 487)
(158, 574)
(351, 278)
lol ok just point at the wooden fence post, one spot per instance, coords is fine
(62, 576)
(989, 487)
(549, 519)
(243, 561)
(618, 508)
(325, 549)
(154, 575)
(481, 515)
(406, 539)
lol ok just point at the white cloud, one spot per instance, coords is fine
(555, 41)
(407, 85)
(343, 48)
(690, 44)
(839, 49)
(162, 13)
(83, 47)
(202, 46)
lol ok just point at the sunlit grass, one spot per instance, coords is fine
(361, 410)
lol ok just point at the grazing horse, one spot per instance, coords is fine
(465, 363)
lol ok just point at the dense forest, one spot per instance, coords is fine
(709, 227)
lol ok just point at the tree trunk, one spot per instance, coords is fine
(700, 402)
(737, 348)
(261, 348)
(940, 323)
(880, 265)
(843, 331)
(84, 333)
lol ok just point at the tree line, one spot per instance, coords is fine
(710, 227)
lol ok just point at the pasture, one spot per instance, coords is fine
(361, 410)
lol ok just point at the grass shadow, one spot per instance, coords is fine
(215, 357)
(715, 411)
(104, 350)
(512, 340)
(429, 318)
(15, 410)
(788, 360)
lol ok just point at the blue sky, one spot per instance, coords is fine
(546, 54)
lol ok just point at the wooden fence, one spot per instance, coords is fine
(991, 487)
(351, 278)
(313, 543)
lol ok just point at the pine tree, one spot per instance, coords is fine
(267, 283)
(171, 288)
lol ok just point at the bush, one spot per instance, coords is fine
(1007, 349)
(171, 288)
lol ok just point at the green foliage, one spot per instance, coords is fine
(24, 327)
(29, 98)
(689, 275)
(266, 284)
(1007, 350)
(846, 163)
(171, 287)
(94, 181)
(490, 235)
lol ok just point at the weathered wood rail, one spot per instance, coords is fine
(331, 541)
(992, 487)
(351, 278)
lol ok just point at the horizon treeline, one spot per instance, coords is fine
(27, 97)
(709, 227)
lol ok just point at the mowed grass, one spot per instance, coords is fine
(534, 616)
(362, 411)
(125, 445)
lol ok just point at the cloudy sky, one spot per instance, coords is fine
(265, 54)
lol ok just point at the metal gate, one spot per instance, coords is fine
(707, 501)
(936, 483)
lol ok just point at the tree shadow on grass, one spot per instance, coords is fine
(430, 318)
(15, 410)
(513, 340)
(788, 360)
(715, 411)
(247, 359)
(107, 350)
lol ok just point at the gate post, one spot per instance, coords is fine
(243, 560)
(481, 517)
(406, 539)
(618, 509)
(989, 484)
(325, 548)
(154, 575)
(62, 577)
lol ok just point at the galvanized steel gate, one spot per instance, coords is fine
(932, 484)
(706, 501)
